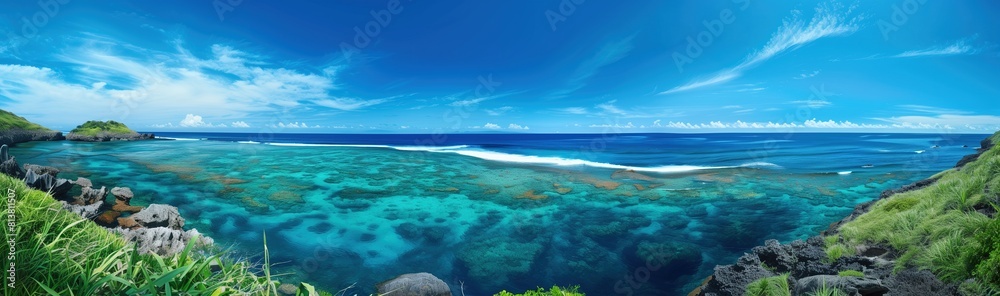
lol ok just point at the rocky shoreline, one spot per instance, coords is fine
(808, 268)
(157, 228)
(108, 137)
(11, 137)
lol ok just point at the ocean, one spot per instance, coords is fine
(616, 214)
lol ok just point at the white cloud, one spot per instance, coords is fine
(744, 111)
(610, 108)
(944, 121)
(616, 125)
(931, 109)
(732, 107)
(572, 110)
(491, 126)
(240, 124)
(807, 75)
(960, 47)
(292, 125)
(499, 111)
(517, 127)
(793, 33)
(466, 103)
(348, 104)
(120, 81)
(192, 120)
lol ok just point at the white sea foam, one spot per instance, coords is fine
(844, 173)
(760, 164)
(919, 151)
(248, 142)
(177, 139)
(531, 159)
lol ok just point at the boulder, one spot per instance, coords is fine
(159, 215)
(40, 169)
(848, 284)
(414, 284)
(47, 182)
(161, 240)
(83, 182)
(123, 200)
(8, 165)
(89, 195)
(86, 211)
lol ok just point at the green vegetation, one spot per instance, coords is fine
(826, 290)
(770, 286)
(836, 251)
(60, 253)
(555, 291)
(10, 121)
(938, 228)
(95, 127)
(853, 273)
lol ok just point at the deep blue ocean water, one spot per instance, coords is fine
(617, 214)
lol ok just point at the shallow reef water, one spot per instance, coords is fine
(617, 222)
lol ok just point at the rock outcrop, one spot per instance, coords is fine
(108, 137)
(805, 263)
(155, 229)
(161, 240)
(983, 146)
(414, 284)
(11, 137)
(157, 215)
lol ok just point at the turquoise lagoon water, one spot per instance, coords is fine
(616, 214)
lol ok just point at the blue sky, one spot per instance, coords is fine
(404, 66)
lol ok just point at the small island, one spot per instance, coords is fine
(16, 129)
(103, 131)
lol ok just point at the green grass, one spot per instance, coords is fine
(770, 286)
(10, 121)
(936, 228)
(826, 290)
(59, 253)
(853, 273)
(94, 128)
(836, 251)
(555, 291)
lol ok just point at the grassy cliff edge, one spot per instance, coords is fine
(16, 129)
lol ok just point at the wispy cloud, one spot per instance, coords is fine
(469, 102)
(348, 104)
(610, 108)
(945, 121)
(794, 33)
(744, 111)
(814, 104)
(960, 47)
(608, 54)
(499, 111)
(572, 110)
(807, 75)
(931, 109)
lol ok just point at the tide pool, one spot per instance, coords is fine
(646, 214)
